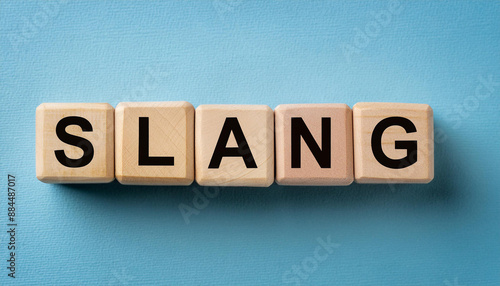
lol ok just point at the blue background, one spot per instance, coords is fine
(221, 51)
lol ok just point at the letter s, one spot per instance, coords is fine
(82, 143)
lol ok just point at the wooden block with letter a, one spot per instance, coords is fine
(314, 144)
(234, 145)
(74, 143)
(393, 143)
(154, 143)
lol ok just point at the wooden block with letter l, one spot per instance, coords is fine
(314, 144)
(234, 145)
(154, 143)
(393, 143)
(75, 143)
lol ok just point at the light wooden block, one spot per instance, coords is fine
(257, 128)
(325, 127)
(166, 138)
(74, 143)
(384, 139)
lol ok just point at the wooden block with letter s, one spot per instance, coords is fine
(75, 143)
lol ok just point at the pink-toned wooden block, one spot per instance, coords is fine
(393, 143)
(314, 144)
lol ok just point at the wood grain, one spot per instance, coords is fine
(340, 172)
(367, 168)
(101, 167)
(171, 134)
(257, 124)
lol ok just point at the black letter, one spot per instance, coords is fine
(410, 146)
(82, 143)
(323, 155)
(144, 158)
(232, 125)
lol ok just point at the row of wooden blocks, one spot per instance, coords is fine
(171, 143)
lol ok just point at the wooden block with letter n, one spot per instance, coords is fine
(154, 143)
(234, 145)
(74, 143)
(314, 144)
(393, 143)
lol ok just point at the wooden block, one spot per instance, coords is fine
(154, 143)
(74, 143)
(234, 145)
(393, 143)
(314, 144)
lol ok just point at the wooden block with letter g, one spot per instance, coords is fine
(154, 143)
(393, 143)
(74, 143)
(234, 145)
(314, 144)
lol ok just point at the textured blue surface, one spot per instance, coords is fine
(443, 233)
